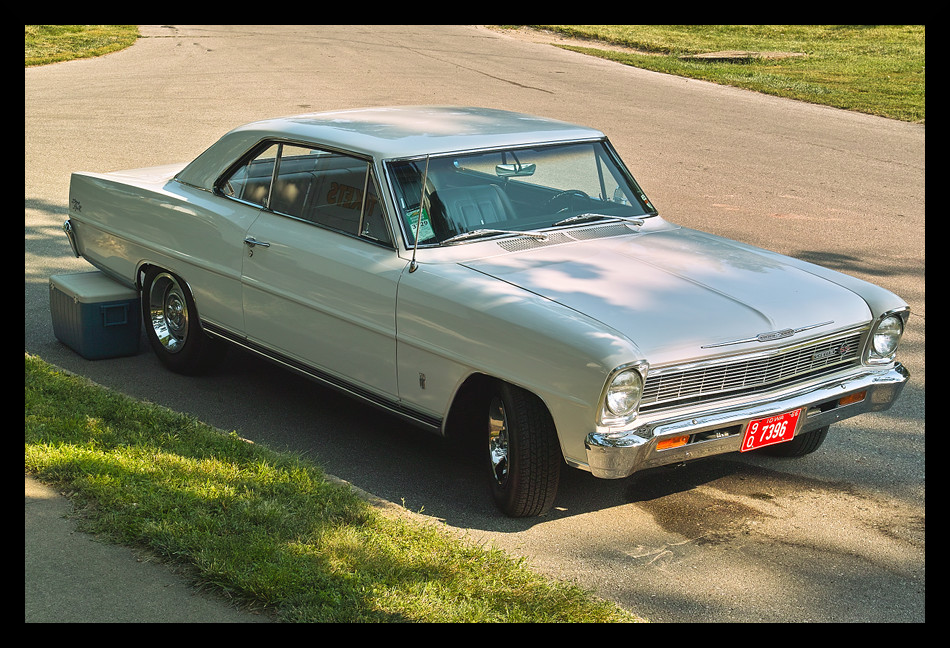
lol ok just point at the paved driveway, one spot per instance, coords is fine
(836, 536)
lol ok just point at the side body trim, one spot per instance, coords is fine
(408, 414)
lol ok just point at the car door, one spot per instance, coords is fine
(320, 272)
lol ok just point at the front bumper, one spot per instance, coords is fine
(716, 429)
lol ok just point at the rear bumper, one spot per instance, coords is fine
(71, 235)
(719, 429)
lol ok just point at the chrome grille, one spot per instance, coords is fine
(712, 380)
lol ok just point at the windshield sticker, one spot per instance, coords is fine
(425, 228)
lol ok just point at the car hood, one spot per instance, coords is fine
(675, 291)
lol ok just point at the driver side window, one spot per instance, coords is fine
(327, 188)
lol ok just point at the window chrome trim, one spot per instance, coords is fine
(263, 144)
(608, 149)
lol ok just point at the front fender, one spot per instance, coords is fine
(453, 322)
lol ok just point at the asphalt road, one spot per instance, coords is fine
(836, 536)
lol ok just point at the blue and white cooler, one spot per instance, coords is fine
(94, 315)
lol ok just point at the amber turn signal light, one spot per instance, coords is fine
(672, 442)
(852, 398)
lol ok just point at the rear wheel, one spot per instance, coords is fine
(800, 445)
(524, 456)
(171, 325)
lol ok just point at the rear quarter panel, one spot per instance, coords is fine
(125, 220)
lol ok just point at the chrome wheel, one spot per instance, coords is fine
(498, 440)
(168, 312)
(173, 327)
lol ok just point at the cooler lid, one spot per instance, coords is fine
(92, 287)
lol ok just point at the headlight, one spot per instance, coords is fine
(885, 338)
(622, 395)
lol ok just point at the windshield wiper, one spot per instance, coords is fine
(580, 218)
(464, 236)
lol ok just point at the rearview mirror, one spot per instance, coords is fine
(514, 170)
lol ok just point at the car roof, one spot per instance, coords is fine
(388, 132)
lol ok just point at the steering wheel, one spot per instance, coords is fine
(567, 195)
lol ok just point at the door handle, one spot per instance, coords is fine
(252, 242)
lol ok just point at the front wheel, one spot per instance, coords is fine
(171, 325)
(800, 445)
(524, 456)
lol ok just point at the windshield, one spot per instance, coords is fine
(511, 191)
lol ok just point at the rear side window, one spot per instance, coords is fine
(326, 188)
(251, 181)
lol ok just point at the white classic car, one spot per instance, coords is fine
(490, 273)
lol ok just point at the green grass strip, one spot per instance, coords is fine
(266, 528)
(46, 44)
(874, 69)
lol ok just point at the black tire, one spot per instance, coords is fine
(800, 445)
(172, 327)
(524, 456)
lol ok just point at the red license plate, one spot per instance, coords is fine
(773, 429)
